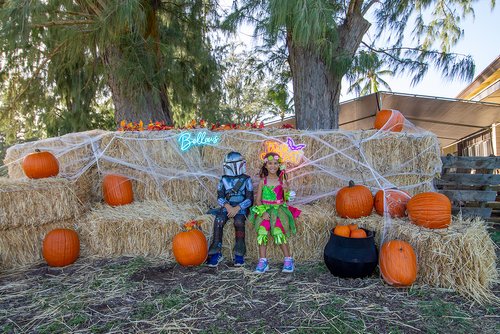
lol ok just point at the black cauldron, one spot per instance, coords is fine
(351, 257)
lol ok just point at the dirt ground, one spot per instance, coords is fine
(131, 295)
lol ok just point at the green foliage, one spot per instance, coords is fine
(323, 26)
(66, 58)
(251, 89)
(366, 74)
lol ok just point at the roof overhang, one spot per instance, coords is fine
(450, 119)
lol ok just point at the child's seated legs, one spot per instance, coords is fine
(215, 250)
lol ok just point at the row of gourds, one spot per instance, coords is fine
(427, 209)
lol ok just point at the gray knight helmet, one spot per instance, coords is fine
(234, 164)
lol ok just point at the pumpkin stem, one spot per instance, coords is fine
(37, 150)
(351, 183)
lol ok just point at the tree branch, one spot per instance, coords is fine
(354, 7)
(62, 23)
(367, 7)
(386, 51)
(38, 69)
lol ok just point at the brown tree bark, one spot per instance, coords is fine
(154, 104)
(316, 87)
(316, 90)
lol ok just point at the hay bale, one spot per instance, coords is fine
(160, 171)
(147, 229)
(140, 228)
(88, 188)
(76, 152)
(461, 257)
(23, 245)
(31, 203)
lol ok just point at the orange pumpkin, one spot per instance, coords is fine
(398, 263)
(342, 230)
(117, 190)
(40, 165)
(429, 209)
(61, 247)
(358, 234)
(354, 201)
(190, 248)
(396, 201)
(352, 227)
(389, 120)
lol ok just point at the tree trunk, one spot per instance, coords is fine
(153, 105)
(316, 88)
(316, 92)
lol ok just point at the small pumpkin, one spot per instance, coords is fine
(61, 247)
(117, 190)
(354, 201)
(342, 230)
(396, 201)
(38, 165)
(352, 227)
(398, 263)
(429, 209)
(190, 247)
(389, 120)
(358, 234)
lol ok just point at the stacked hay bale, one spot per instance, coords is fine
(172, 187)
(159, 170)
(28, 210)
(141, 228)
(461, 257)
(147, 228)
(332, 158)
(77, 154)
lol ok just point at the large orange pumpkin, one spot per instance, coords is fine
(61, 247)
(117, 190)
(429, 209)
(396, 201)
(389, 120)
(40, 165)
(342, 230)
(354, 201)
(398, 263)
(190, 248)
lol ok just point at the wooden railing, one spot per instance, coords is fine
(471, 185)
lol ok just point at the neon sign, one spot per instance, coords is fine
(289, 151)
(187, 139)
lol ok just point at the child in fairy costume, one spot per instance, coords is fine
(272, 213)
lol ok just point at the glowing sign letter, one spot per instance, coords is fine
(202, 138)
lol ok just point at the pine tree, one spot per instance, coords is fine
(324, 37)
(152, 56)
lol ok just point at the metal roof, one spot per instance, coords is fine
(450, 119)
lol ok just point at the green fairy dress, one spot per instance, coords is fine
(282, 216)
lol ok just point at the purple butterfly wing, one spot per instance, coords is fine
(292, 145)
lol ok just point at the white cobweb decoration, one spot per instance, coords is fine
(161, 170)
